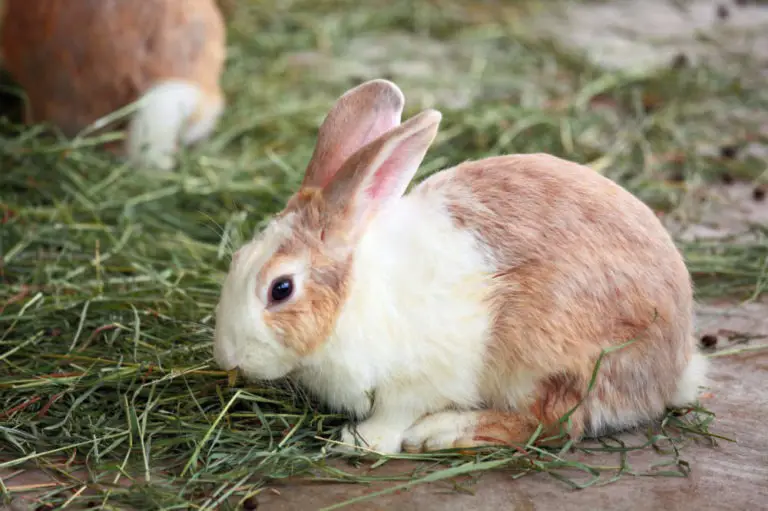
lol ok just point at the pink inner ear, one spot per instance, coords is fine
(384, 122)
(388, 178)
(380, 126)
(343, 149)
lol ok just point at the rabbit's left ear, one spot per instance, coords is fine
(360, 116)
(380, 172)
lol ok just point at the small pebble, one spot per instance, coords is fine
(723, 12)
(251, 503)
(651, 103)
(680, 61)
(759, 193)
(729, 152)
(709, 341)
(677, 176)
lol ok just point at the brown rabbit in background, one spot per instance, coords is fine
(80, 60)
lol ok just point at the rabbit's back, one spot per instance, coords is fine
(581, 264)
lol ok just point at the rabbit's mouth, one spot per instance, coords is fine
(265, 369)
(254, 357)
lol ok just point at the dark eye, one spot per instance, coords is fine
(282, 289)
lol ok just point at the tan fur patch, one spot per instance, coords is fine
(582, 266)
(307, 322)
(500, 428)
(557, 395)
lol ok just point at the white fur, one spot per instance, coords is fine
(242, 338)
(603, 419)
(440, 430)
(414, 327)
(507, 391)
(163, 121)
(694, 376)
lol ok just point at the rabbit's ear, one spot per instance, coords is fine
(360, 116)
(380, 172)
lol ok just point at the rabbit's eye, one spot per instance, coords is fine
(281, 289)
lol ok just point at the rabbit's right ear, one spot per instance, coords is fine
(360, 116)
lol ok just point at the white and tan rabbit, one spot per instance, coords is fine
(468, 311)
(79, 60)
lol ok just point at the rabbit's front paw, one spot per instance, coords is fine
(371, 436)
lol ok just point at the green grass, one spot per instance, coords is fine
(110, 274)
